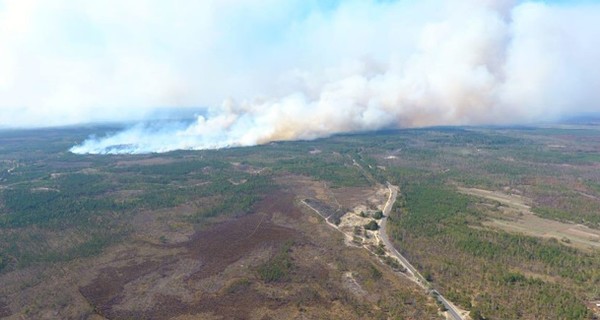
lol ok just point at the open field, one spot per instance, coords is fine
(514, 215)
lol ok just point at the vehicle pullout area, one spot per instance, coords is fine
(374, 211)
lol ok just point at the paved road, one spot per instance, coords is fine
(449, 306)
(383, 232)
(417, 276)
(421, 281)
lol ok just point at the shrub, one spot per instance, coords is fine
(380, 250)
(278, 267)
(378, 215)
(238, 285)
(372, 225)
(375, 273)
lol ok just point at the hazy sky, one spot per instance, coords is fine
(274, 69)
(71, 61)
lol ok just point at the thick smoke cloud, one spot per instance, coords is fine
(303, 70)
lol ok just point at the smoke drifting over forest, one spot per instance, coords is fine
(304, 70)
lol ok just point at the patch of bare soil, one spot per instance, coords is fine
(247, 168)
(513, 201)
(513, 213)
(351, 284)
(361, 213)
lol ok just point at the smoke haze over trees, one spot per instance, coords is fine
(269, 70)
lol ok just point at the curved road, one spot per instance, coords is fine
(410, 269)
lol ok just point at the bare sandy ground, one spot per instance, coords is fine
(514, 214)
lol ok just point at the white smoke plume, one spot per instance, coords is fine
(368, 65)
